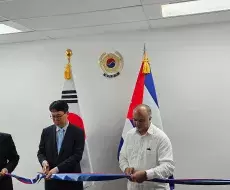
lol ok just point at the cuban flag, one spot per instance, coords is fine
(69, 94)
(144, 93)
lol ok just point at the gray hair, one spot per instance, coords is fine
(148, 109)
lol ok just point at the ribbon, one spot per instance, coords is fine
(27, 180)
(109, 177)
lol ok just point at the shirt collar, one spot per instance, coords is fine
(150, 129)
(65, 128)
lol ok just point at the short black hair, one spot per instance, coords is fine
(59, 105)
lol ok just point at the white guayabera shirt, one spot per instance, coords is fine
(151, 152)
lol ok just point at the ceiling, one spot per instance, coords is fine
(51, 19)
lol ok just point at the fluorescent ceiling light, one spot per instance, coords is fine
(4, 29)
(194, 7)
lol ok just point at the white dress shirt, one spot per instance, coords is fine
(151, 152)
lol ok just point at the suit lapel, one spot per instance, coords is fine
(54, 142)
(66, 137)
(2, 137)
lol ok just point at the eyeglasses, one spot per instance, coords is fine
(56, 116)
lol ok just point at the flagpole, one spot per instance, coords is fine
(69, 94)
(68, 73)
(145, 61)
(144, 49)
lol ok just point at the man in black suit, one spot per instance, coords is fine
(61, 148)
(8, 160)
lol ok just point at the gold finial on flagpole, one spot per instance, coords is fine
(145, 61)
(144, 48)
(67, 73)
(69, 53)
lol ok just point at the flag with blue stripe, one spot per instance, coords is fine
(144, 93)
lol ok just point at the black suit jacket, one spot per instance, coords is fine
(68, 160)
(8, 159)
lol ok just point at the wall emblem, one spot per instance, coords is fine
(111, 64)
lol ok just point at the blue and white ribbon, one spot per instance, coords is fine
(109, 177)
(27, 180)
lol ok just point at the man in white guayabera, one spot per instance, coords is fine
(146, 153)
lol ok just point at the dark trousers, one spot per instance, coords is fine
(6, 183)
(54, 184)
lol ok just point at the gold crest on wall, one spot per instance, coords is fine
(111, 64)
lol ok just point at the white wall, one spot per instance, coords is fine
(191, 70)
